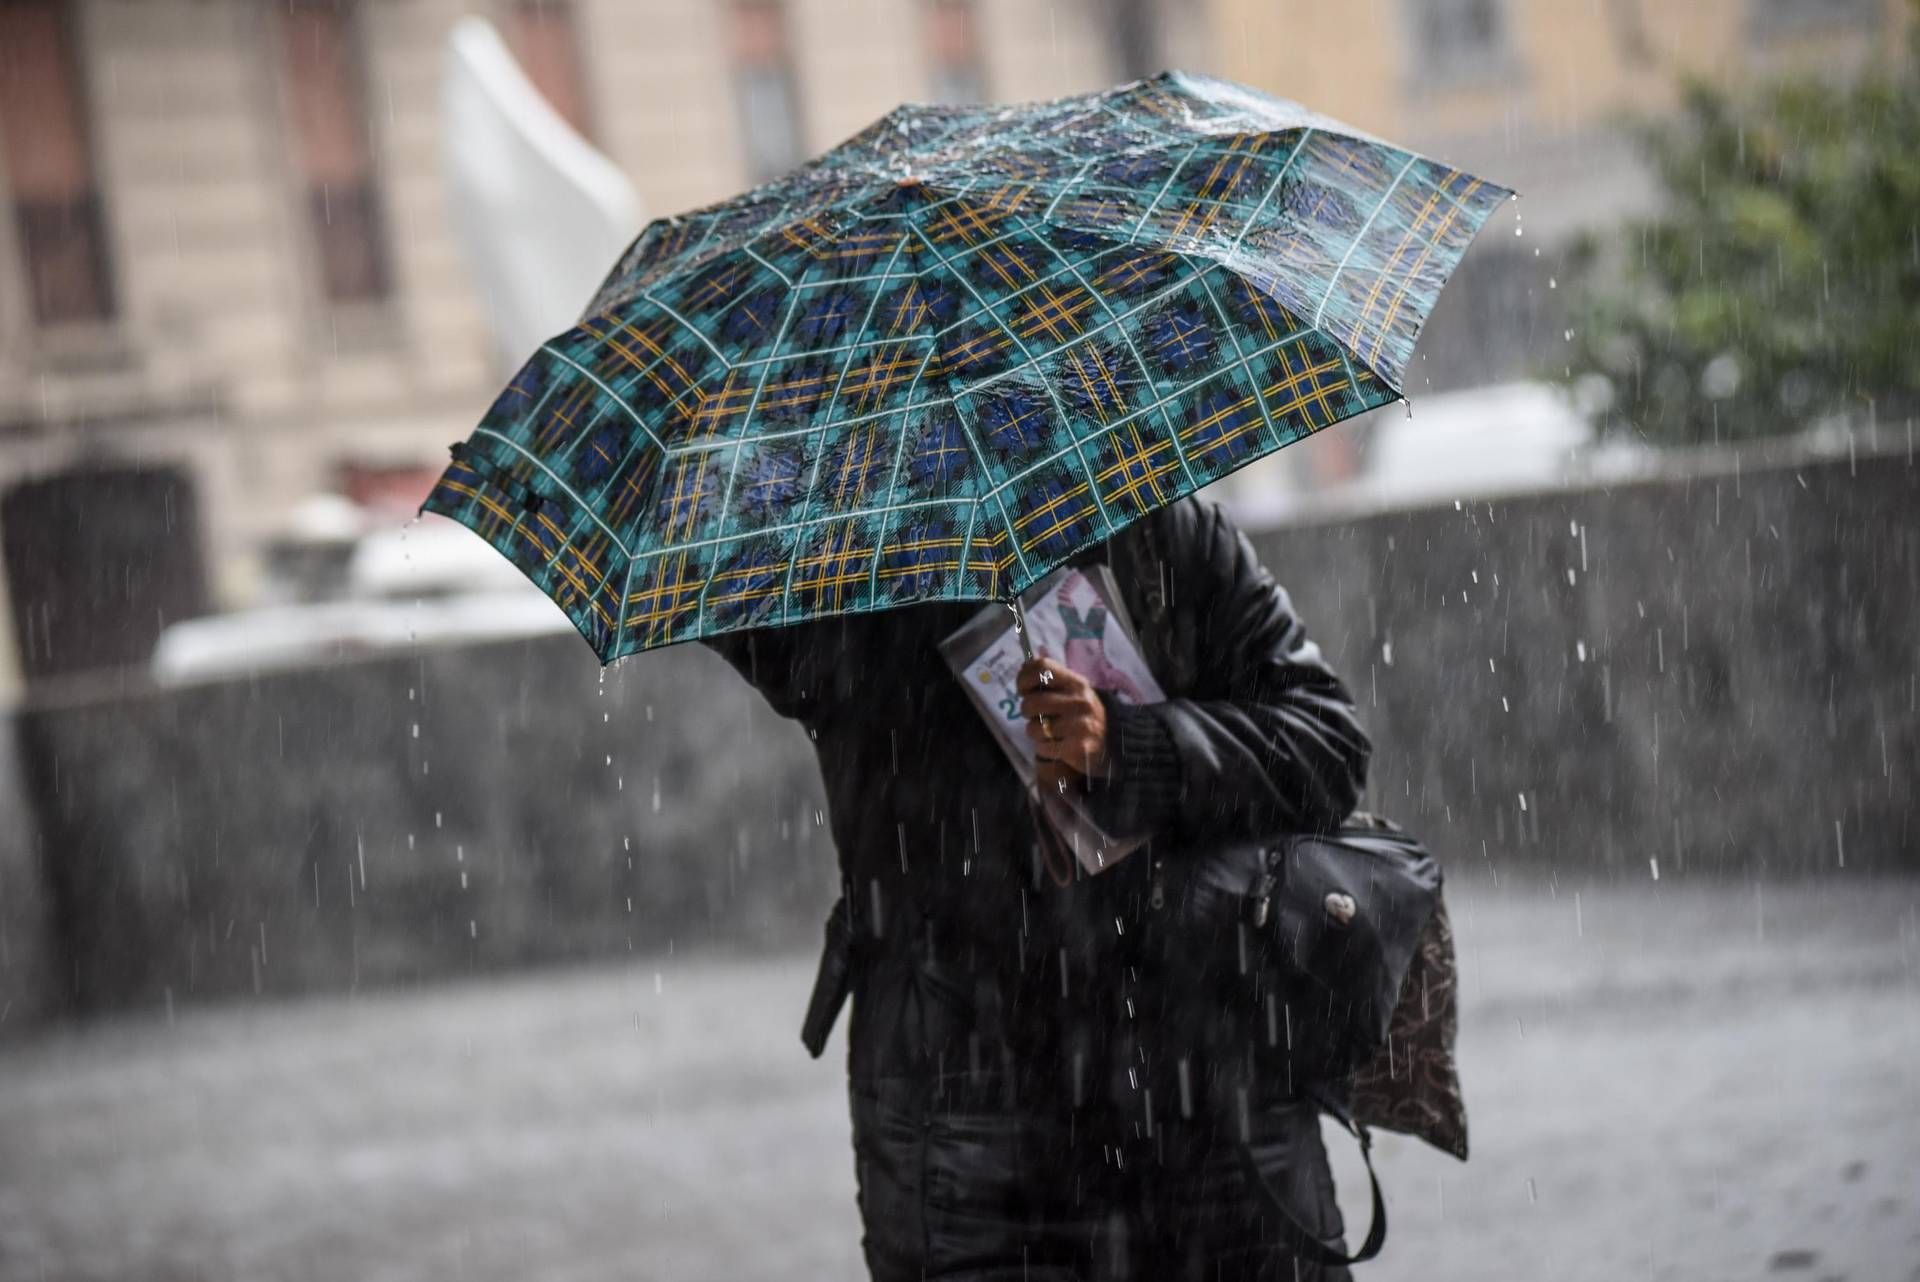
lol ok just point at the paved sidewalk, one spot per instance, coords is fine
(1687, 1082)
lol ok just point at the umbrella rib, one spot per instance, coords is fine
(1119, 423)
(1066, 189)
(619, 400)
(787, 526)
(873, 305)
(1346, 363)
(1127, 338)
(1159, 195)
(579, 502)
(1092, 487)
(967, 285)
(1272, 187)
(1027, 357)
(900, 445)
(893, 477)
(973, 516)
(1006, 523)
(947, 265)
(740, 444)
(1426, 252)
(966, 540)
(1091, 332)
(1220, 314)
(690, 326)
(1359, 236)
(1299, 147)
(754, 254)
(620, 619)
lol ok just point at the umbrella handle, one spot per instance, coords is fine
(1020, 625)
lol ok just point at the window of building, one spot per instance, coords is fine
(545, 37)
(1134, 37)
(1629, 26)
(56, 199)
(953, 37)
(1459, 39)
(332, 149)
(765, 89)
(1797, 17)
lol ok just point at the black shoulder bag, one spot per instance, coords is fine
(1338, 920)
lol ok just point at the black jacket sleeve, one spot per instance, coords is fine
(1267, 741)
(786, 665)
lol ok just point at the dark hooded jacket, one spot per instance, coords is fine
(967, 960)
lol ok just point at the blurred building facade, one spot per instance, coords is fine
(1533, 94)
(227, 253)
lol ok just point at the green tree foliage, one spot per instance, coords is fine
(1781, 284)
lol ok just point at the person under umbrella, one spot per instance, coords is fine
(1024, 1101)
(968, 346)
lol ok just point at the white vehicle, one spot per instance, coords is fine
(430, 582)
(1476, 443)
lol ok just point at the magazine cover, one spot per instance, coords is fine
(1077, 617)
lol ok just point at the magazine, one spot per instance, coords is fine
(1075, 616)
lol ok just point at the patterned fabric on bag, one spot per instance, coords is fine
(1413, 1085)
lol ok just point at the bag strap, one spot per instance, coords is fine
(1307, 1242)
(832, 981)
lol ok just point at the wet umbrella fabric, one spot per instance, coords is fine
(942, 358)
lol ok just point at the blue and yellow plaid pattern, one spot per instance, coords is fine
(942, 358)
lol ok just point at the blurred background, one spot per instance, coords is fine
(353, 923)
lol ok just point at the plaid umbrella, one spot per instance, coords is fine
(940, 359)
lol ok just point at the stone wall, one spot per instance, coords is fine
(392, 820)
(29, 959)
(1714, 671)
(1711, 673)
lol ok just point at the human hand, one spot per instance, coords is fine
(1066, 721)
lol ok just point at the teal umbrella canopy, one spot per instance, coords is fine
(945, 356)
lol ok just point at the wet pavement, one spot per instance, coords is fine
(1686, 1081)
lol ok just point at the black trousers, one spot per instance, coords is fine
(1081, 1153)
(956, 1185)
